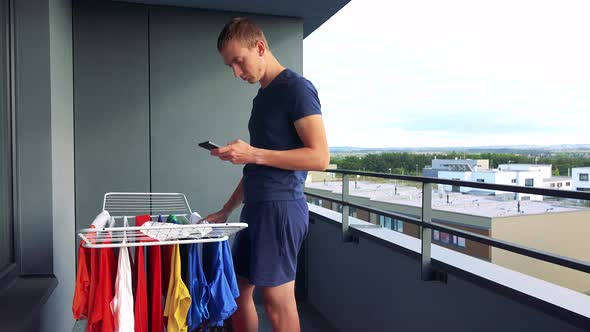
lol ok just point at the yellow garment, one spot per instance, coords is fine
(178, 299)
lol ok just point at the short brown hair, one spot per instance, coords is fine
(241, 29)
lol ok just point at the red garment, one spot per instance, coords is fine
(155, 282)
(92, 287)
(81, 292)
(141, 297)
(101, 317)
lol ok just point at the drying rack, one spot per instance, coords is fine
(125, 204)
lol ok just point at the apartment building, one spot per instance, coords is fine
(530, 223)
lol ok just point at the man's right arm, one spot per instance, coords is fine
(236, 198)
(234, 201)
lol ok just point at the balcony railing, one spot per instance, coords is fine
(426, 225)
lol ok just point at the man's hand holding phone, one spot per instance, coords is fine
(237, 152)
(209, 145)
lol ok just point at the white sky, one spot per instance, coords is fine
(453, 73)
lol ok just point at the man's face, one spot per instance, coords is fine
(246, 63)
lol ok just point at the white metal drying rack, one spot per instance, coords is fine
(125, 204)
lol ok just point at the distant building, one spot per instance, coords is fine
(314, 176)
(547, 226)
(580, 178)
(457, 165)
(558, 182)
(526, 175)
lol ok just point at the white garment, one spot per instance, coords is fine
(122, 303)
(101, 220)
(168, 231)
(195, 218)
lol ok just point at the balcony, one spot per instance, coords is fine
(362, 276)
(110, 96)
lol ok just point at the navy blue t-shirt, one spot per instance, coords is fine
(288, 98)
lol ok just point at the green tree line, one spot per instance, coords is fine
(412, 163)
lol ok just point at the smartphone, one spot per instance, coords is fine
(209, 145)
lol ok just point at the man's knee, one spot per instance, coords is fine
(246, 291)
(280, 298)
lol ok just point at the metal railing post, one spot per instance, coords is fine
(345, 209)
(427, 271)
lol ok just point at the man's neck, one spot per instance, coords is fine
(273, 70)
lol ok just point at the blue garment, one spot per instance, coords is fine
(266, 251)
(216, 264)
(198, 289)
(288, 98)
(228, 269)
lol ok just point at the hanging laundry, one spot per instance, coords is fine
(82, 290)
(178, 299)
(228, 269)
(87, 273)
(101, 318)
(94, 277)
(166, 258)
(122, 303)
(182, 248)
(195, 218)
(198, 288)
(141, 296)
(154, 265)
(222, 303)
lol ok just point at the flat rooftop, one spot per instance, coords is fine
(472, 204)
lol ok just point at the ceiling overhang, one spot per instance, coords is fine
(313, 12)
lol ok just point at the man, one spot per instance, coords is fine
(287, 138)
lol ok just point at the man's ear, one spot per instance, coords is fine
(260, 47)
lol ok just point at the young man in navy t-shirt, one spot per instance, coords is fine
(287, 138)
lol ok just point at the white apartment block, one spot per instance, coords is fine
(580, 178)
(506, 174)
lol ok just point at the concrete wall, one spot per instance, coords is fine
(33, 138)
(56, 315)
(6, 245)
(546, 232)
(367, 286)
(111, 103)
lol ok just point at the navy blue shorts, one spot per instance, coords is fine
(265, 252)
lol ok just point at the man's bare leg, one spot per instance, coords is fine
(245, 319)
(281, 308)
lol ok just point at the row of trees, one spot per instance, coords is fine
(412, 163)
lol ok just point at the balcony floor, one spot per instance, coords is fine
(311, 320)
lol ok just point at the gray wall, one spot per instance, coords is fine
(55, 315)
(111, 103)
(33, 138)
(149, 83)
(369, 287)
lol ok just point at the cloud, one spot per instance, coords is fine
(455, 72)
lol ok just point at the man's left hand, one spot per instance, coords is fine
(237, 152)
